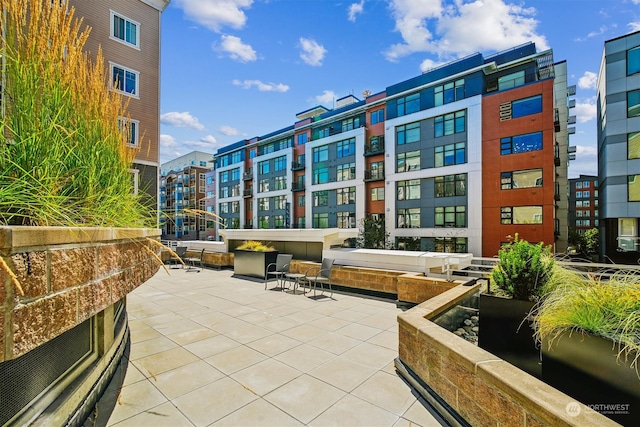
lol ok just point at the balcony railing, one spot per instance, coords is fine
(248, 192)
(297, 186)
(247, 175)
(296, 166)
(377, 175)
(375, 146)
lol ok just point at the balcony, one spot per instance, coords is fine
(556, 120)
(297, 166)
(375, 146)
(248, 192)
(298, 186)
(248, 175)
(376, 175)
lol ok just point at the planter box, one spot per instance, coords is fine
(587, 367)
(505, 332)
(252, 263)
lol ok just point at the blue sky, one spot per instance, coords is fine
(236, 69)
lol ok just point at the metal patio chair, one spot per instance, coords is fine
(192, 261)
(278, 269)
(320, 275)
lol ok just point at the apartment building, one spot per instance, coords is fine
(129, 34)
(583, 203)
(456, 159)
(618, 110)
(182, 201)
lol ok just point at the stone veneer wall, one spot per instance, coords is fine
(408, 286)
(68, 275)
(217, 259)
(480, 387)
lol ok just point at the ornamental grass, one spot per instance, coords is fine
(64, 157)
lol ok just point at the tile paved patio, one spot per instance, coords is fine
(210, 349)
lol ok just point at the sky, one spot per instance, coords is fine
(236, 69)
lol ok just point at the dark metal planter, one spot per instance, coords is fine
(587, 367)
(505, 332)
(252, 263)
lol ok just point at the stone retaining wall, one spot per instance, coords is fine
(67, 275)
(483, 389)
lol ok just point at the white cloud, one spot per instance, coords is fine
(237, 50)
(215, 14)
(355, 9)
(585, 111)
(428, 64)
(209, 139)
(184, 119)
(634, 26)
(312, 52)
(262, 87)
(228, 130)
(167, 141)
(327, 98)
(461, 28)
(588, 80)
(585, 150)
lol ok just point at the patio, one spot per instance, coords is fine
(211, 349)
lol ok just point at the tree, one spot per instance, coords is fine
(592, 241)
(373, 234)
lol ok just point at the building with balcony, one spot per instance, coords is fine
(583, 203)
(618, 113)
(456, 159)
(129, 35)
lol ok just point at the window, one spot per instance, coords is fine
(450, 244)
(408, 104)
(321, 198)
(511, 80)
(224, 192)
(578, 203)
(409, 218)
(124, 79)
(521, 143)
(408, 190)
(633, 103)
(320, 220)
(252, 153)
(634, 188)
(263, 167)
(263, 185)
(521, 215)
(224, 176)
(350, 124)
(377, 116)
(263, 204)
(279, 202)
(301, 201)
(125, 30)
(263, 222)
(586, 203)
(633, 145)
(578, 214)
(235, 174)
(320, 175)
(578, 194)
(449, 92)
(377, 193)
(376, 171)
(346, 171)
(450, 185)
(280, 183)
(586, 194)
(451, 154)
(302, 138)
(526, 106)
(210, 180)
(280, 163)
(633, 61)
(321, 154)
(579, 184)
(585, 184)
(235, 207)
(346, 220)
(268, 148)
(521, 179)
(408, 161)
(129, 129)
(346, 196)
(201, 182)
(224, 208)
(407, 134)
(450, 216)
(278, 221)
(346, 148)
(450, 123)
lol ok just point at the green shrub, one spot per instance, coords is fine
(523, 269)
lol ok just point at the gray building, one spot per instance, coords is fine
(619, 148)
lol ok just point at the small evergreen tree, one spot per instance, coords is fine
(373, 234)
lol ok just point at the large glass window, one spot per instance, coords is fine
(350, 124)
(633, 103)
(346, 196)
(320, 220)
(408, 161)
(346, 148)
(526, 106)
(263, 185)
(521, 179)
(634, 188)
(263, 167)
(377, 193)
(511, 80)
(346, 171)
(235, 174)
(633, 61)
(280, 163)
(521, 143)
(449, 124)
(521, 215)
(124, 79)
(125, 30)
(129, 129)
(450, 154)
(408, 190)
(377, 116)
(451, 185)
(320, 175)
(449, 92)
(263, 204)
(346, 219)
(321, 198)
(279, 202)
(409, 218)
(450, 216)
(321, 154)
(408, 104)
(407, 134)
(280, 183)
(302, 138)
(633, 145)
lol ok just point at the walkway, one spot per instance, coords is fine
(211, 349)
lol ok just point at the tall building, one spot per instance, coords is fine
(583, 203)
(182, 201)
(456, 159)
(618, 110)
(129, 34)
